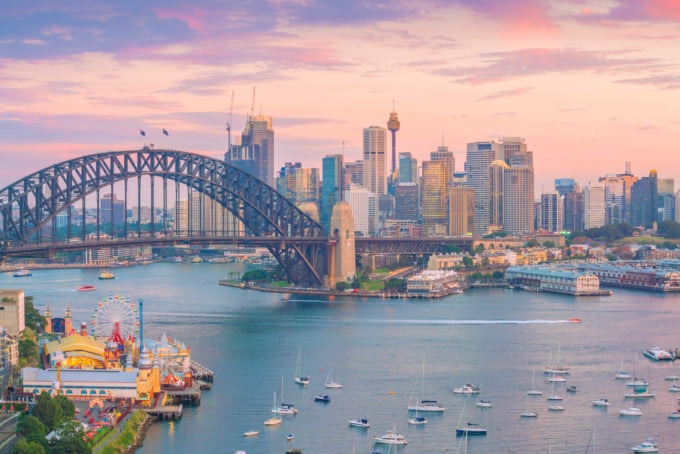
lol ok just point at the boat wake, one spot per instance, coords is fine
(469, 322)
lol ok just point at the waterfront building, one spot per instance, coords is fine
(659, 279)
(407, 202)
(643, 201)
(593, 206)
(553, 280)
(478, 158)
(434, 203)
(461, 211)
(364, 205)
(332, 177)
(12, 313)
(374, 160)
(551, 212)
(408, 168)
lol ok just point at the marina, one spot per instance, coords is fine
(250, 339)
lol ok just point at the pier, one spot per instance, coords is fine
(201, 373)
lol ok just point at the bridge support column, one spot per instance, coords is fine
(344, 256)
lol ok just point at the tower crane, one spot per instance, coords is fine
(231, 108)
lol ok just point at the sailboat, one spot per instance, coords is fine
(640, 390)
(557, 368)
(553, 396)
(622, 374)
(283, 409)
(425, 405)
(330, 383)
(527, 413)
(417, 420)
(470, 429)
(300, 379)
(273, 421)
(533, 391)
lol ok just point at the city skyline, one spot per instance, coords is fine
(589, 85)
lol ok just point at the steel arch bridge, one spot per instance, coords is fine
(29, 207)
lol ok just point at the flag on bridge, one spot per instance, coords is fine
(165, 132)
(141, 132)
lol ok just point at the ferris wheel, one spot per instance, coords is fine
(115, 318)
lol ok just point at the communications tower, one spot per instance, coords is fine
(393, 126)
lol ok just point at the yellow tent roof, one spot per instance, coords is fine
(75, 343)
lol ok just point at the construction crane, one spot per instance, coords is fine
(231, 108)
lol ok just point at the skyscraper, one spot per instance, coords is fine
(551, 212)
(408, 168)
(593, 206)
(435, 216)
(332, 177)
(479, 156)
(374, 160)
(496, 193)
(518, 195)
(443, 154)
(255, 154)
(461, 211)
(643, 201)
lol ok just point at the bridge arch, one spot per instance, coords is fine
(29, 206)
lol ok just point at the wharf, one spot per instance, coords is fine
(190, 396)
(201, 373)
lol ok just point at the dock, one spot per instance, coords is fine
(166, 408)
(201, 373)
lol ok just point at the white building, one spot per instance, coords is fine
(593, 206)
(374, 160)
(364, 205)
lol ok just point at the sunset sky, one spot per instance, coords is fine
(588, 84)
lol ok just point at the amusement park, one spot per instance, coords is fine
(108, 370)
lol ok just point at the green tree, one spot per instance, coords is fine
(68, 408)
(341, 286)
(47, 411)
(28, 424)
(32, 317)
(497, 275)
(24, 446)
(467, 262)
(70, 439)
(28, 348)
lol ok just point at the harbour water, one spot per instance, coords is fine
(377, 348)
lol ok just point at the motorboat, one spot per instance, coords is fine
(622, 375)
(87, 288)
(529, 414)
(556, 408)
(332, 385)
(556, 379)
(674, 415)
(285, 409)
(658, 354)
(572, 389)
(391, 438)
(674, 389)
(647, 446)
(427, 405)
(251, 433)
(632, 411)
(290, 437)
(484, 403)
(304, 381)
(467, 388)
(22, 273)
(294, 451)
(106, 275)
(470, 430)
(418, 420)
(322, 398)
(273, 421)
(603, 402)
(359, 422)
(672, 378)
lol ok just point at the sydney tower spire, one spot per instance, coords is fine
(393, 126)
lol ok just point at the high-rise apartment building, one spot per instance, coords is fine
(551, 212)
(407, 202)
(364, 209)
(112, 210)
(374, 160)
(518, 194)
(643, 201)
(332, 178)
(593, 206)
(497, 171)
(435, 216)
(573, 210)
(354, 174)
(408, 168)
(461, 211)
(478, 158)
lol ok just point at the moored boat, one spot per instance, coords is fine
(418, 420)
(603, 402)
(391, 438)
(632, 411)
(359, 422)
(427, 405)
(322, 398)
(106, 275)
(658, 354)
(251, 433)
(484, 403)
(470, 430)
(647, 446)
(273, 421)
(467, 388)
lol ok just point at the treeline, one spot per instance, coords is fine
(614, 232)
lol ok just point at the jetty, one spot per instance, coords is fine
(201, 373)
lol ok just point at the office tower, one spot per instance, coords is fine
(614, 198)
(666, 199)
(643, 201)
(518, 194)
(478, 158)
(364, 209)
(593, 206)
(551, 215)
(461, 211)
(435, 217)
(255, 153)
(393, 126)
(307, 185)
(513, 146)
(408, 168)
(573, 210)
(354, 174)
(407, 201)
(286, 180)
(374, 160)
(332, 178)
(112, 210)
(676, 211)
(443, 154)
(565, 185)
(496, 191)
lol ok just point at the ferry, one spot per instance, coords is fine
(658, 354)
(22, 273)
(106, 275)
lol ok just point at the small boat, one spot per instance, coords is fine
(22, 273)
(467, 388)
(529, 414)
(427, 405)
(632, 411)
(391, 438)
(87, 288)
(622, 375)
(331, 384)
(556, 379)
(106, 275)
(554, 397)
(290, 437)
(639, 394)
(638, 382)
(273, 421)
(674, 389)
(470, 430)
(418, 420)
(647, 446)
(556, 408)
(572, 389)
(672, 378)
(674, 415)
(251, 433)
(603, 402)
(359, 422)
(299, 378)
(322, 398)
(575, 320)
(658, 354)
(294, 451)
(196, 260)
(484, 403)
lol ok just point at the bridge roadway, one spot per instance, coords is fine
(363, 245)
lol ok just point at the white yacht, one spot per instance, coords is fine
(603, 402)
(359, 422)
(391, 438)
(647, 446)
(467, 388)
(658, 354)
(632, 411)
(427, 405)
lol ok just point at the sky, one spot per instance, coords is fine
(589, 85)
